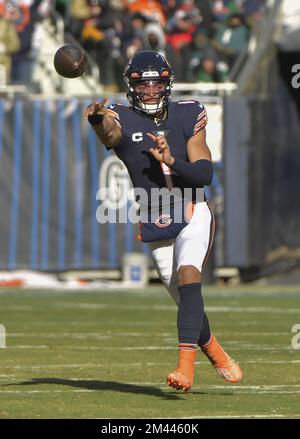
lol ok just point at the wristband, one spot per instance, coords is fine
(95, 119)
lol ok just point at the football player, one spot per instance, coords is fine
(163, 145)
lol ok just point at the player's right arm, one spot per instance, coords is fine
(105, 123)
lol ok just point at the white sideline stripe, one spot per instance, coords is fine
(80, 335)
(252, 309)
(59, 366)
(135, 334)
(271, 361)
(250, 391)
(96, 322)
(266, 334)
(19, 308)
(241, 386)
(163, 348)
(22, 392)
(28, 347)
(203, 386)
(66, 366)
(82, 305)
(95, 390)
(260, 348)
(117, 307)
(243, 346)
(225, 309)
(102, 348)
(162, 385)
(241, 292)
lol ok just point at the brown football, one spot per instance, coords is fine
(70, 61)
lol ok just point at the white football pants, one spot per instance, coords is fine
(190, 247)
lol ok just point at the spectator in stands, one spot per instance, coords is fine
(208, 71)
(151, 8)
(136, 26)
(62, 7)
(252, 10)
(9, 44)
(231, 39)
(154, 38)
(24, 16)
(186, 32)
(79, 11)
(180, 32)
(206, 21)
(133, 36)
(100, 39)
(222, 9)
(200, 48)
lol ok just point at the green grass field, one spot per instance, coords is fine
(106, 355)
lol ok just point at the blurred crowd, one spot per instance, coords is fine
(18, 21)
(202, 39)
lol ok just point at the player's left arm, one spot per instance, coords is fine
(197, 148)
(199, 169)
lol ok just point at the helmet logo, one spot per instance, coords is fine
(165, 73)
(134, 75)
(150, 74)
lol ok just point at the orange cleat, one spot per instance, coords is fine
(182, 378)
(226, 367)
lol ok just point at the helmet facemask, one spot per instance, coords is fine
(138, 99)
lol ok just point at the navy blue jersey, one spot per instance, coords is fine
(184, 119)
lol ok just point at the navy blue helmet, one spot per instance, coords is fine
(148, 66)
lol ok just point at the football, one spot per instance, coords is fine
(70, 61)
